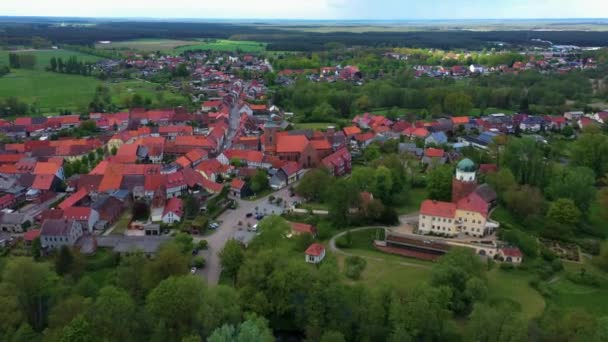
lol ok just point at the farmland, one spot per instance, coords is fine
(43, 57)
(178, 46)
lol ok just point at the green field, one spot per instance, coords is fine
(390, 269)
(146, 45)
(43, 57)
(179, 46)
(224, 45)
(49, 91)
(313, 125)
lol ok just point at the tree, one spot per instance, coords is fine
(501, 181)
(253, 329)
(314, 184)
(78, 330)
(111, 315)
(25, 333)
(458, 270)
(602, 199)
(53, 64)
(602, 259)
(175, 306)
(383, 184)
(501, 322)
(114, 150)
(140, 211)
(10, 314)
(524, 201)
(64, 260)
(564, 211)
(34, 284)
(421, 313)
(220, 306)
(259, 182)
(591, 150)
(457, 103)
(272, 230)
(439, 183)
(129, 275)
(526, 160)
(170, 261)
(342, 197)
(577, 184)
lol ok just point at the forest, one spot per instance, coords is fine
(25, 32)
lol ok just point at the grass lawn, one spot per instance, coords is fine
(43, 57)
(313, 125)
(491, 110)
(49, 91)
(223, 45)
(515, 286)
(416, 197)
(502, 215)
(146, 45)
(566, 294)
(122, 224)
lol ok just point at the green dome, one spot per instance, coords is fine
(466, 165)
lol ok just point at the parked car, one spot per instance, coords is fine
(249, 215)
(259, 217)
(193, 270)
(254, 228)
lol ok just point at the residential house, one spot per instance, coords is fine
(12, 222)
(338, 163)
(56, 233)
(298, 228)
(288, 174)
(86, 216)
(173, 212)
(239, 188)
(436, 138)
(510, 255)
(315, 253)
(434, 156)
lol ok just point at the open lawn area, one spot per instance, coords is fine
(391, 270)
(146, 45)
(49, 91)
(313, 125)
(224, 45)
(566, 294)
(515, 286)
(415, 197)
(43, 57)
(122, 224)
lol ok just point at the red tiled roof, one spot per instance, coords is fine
(321, 144)
(438, 208)
(212, 187)
(153, 182)
(74, 198)
(302, 227)
(77, 213)
(183, 161)
(45, 168)
(291, 168)
(434, 152)
(460, 120)
(513, 252)
(351, 130)
(43, 182)
(11, 158)
(237, 184)
(175, 206)
(31, 235)
(364, 137)
(473, 203)
(291, 143)
(316, 249)
(246, 155)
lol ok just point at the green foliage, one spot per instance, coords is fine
(231, 258)
(198, 262)
(259, 182)
(78, 330)
(314, 185)
(354, 266)
(439, 183)
(462, 272)
(170, 261)
(524, 201)
(500, 321)
(64, 260)
(111, 315)
(253, 329)
(175, 306)
(564, 211)
(577, 184)
(525, 158)
(591, 150)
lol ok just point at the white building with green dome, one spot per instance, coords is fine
(466, 171)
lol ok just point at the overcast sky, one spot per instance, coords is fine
(310, 9)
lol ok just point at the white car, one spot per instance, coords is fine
(193, 270)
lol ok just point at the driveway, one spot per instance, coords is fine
(230, 219)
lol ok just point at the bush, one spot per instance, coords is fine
(203, 244)
(584, 278)
(505, 266)
(198, 262)
(354, 266)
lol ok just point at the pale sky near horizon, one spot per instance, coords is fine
(311, 9)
